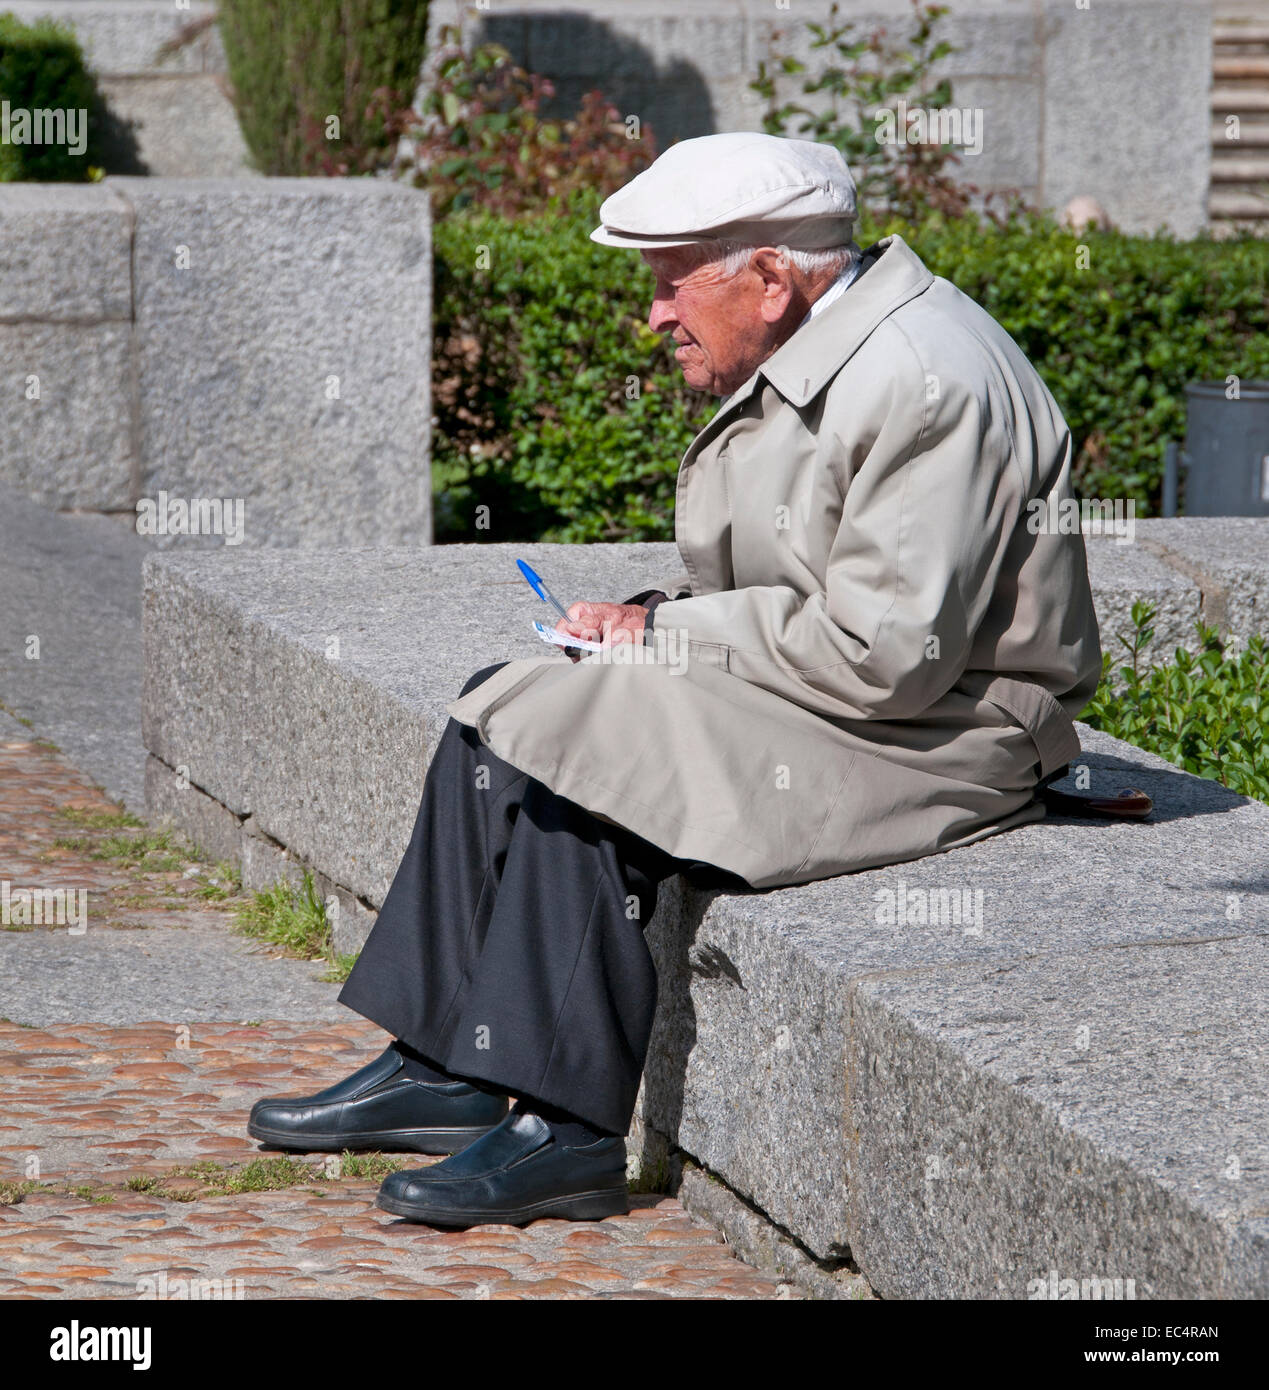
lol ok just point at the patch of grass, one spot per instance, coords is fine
(149, 852)
(294, 918)
(260, 1175)
(13, 714)
(288, 916)
(12, 1193)
(92, 1194)
(99, 820)
(369, 1165)
(143, 851)
(131, 850)
(157, 863)
(225, 882)
(340, 968)
(270, 1173)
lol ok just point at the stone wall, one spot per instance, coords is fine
(324, 676)
(1109, 101)
(265, 344)
(172, 116)
(957, 1109)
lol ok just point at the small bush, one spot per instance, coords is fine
(864, 74)
(294, 64)
(480, 141)
(42, 69)
(1207, 713)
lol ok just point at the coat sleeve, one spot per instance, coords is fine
(671, 588)
(927, 516)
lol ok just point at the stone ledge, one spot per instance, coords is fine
(65, 254)
(295, 288)
(70, 446)
(184, 124)
(917, 1096)
(1225, 557)
(752, 1234)
(1110, 1099)
(171, 800)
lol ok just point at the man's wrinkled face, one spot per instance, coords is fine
(725, 326)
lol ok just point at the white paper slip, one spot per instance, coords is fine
(562, 639)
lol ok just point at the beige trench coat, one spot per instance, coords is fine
(883, 643)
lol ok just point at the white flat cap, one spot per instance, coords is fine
(742, 187)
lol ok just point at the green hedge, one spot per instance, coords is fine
(1117, 342)
(1207, 712)
(42, 69)
(533, 356)
(559, 411)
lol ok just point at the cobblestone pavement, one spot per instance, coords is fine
(154, 941)
(126, 1170)
(52, 819)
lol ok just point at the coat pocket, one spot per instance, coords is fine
(713, 654)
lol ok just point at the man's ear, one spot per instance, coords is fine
(772, 263)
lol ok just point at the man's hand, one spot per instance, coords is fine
(609, 623)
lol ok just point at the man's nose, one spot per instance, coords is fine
(661, 314)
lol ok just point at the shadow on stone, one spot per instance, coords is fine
(1257, 885)
(671, 935)
(579, 53)
(1177, 795)
(120, 150)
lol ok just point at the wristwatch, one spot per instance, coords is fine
(649, 598)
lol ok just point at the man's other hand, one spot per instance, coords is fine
(609, 623)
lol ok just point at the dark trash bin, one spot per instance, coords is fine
(1226, 456)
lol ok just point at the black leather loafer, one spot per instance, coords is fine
(379, 1107)
(516, 1174)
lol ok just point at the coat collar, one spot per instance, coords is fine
(801, 367)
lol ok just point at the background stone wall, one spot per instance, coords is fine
(1111, 101)
(263, 340)
(176, 106)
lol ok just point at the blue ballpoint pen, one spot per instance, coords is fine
(542, 591)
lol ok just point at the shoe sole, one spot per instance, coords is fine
(425, 1141)
(579, 1206)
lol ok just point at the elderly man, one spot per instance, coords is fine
(884, 653)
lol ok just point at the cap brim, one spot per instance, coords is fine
(609, 236)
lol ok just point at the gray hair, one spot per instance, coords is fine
(735, 256)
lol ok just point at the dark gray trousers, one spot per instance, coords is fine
(510, 948)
